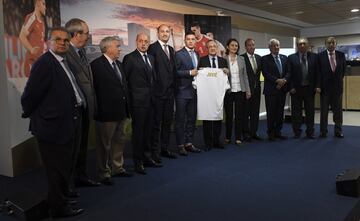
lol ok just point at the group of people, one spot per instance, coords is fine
(65, 92)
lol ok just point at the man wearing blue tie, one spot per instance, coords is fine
(185, 94)
(275, 88)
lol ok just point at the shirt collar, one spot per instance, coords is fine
(189, 50)
(162, 43)
(109, 59)
(249, 55)
(58, 57)
(142, 53)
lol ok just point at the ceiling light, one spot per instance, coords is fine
(354, 10)
(299, 12)
(269, 3)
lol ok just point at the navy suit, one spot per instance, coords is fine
(212, 129)
(304, 87)
(331, 84)
(253, 104)
(55, 120)
(186, 100)
(164, 87)
(141, 90)
(274, 98)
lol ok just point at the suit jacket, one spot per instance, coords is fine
(271, 74)
(204, 62)
(254, 78)
(140, 79)
(84, 78)
(244, 81)
(165, 70)
(49, 100)
(184, 65)
(331, 83)
(295, 71)
(111, 92)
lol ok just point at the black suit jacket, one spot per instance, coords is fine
(140, 79)
(254, 78)
(271, 74)
(49, 100)
(184, 80)
(331, 83)
(295, 71)
(204, 62)
(165, 69)
(111, 92)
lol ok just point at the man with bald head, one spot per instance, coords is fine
(303, 70)
(332, 66)
(140, 73)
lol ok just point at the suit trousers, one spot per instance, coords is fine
(185, 120)
(335, 102)
(142, 124)
(212, 132)
(304, 95)
(275, 113)
(251, 121)
(237, 101)
(80, 169)
(110, 148)
(163, 116)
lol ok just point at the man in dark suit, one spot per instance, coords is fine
(186, 100)
(332, 66)
(53, 101)
(164, 86)
(212, 129)
(76, 58)
(303, 70)
(253, 67)
(140, 73)
(112, 110)
(274, 68)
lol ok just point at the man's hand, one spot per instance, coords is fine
(248, 95)
(226, 71)
(292, 91)
(194, 72)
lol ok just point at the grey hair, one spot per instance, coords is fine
(273, 41)
(105, 42)
(74, 25)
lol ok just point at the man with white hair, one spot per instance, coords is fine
(274, 68)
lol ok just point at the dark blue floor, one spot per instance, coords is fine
(276, 181)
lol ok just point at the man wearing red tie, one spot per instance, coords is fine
(332, 65)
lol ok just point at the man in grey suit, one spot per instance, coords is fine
(77, 60)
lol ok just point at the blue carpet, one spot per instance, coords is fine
(277, 181)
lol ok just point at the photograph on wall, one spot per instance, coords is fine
(124, 21)
(217, 28)
(26, 24)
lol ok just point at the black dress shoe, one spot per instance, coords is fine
(107, 181)
(310, 136)
(72, 194)
(191, 148)
(123, 174)
(256, 137)
(297, 135)
(86, 183)
(71, 202)
(151, 163)
(281, 137)
(207, 148)
(323, 135)
(182, 151)
(339, 135)
(139, 168)
(156, 157)
(168, 154)
(67, 211)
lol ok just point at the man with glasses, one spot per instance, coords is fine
(53, 101)
(76, 57)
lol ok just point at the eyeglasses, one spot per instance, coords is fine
(85, 33)
(61, 40)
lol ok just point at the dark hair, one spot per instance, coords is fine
(247, 40)
(188, 33)
(58, 28)
(195, 24)
(228, 43)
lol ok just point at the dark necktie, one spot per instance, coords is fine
(117, 71)
(213, 64)
(278, 64)
(82, 56)
(166, 50)
(303, 63)
(148, 66)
